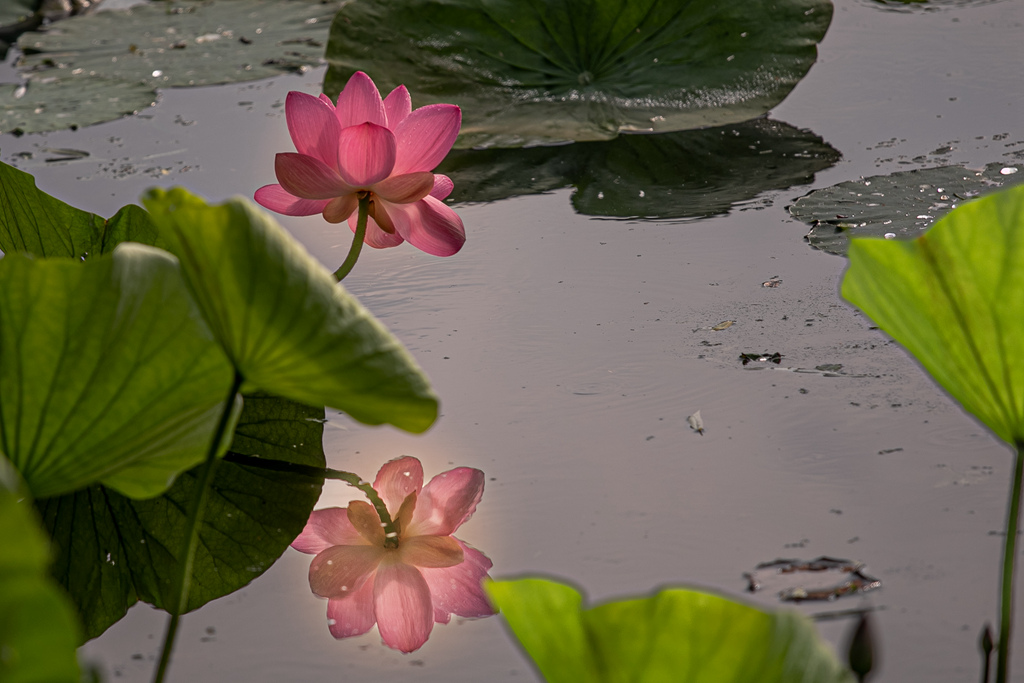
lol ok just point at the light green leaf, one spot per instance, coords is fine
(673, 636)
(902, 205)
(107, 372)
(38, 634)
(953, 299)
(529, 72)
(687, 174)
(113, 551)
(98, 67)
(284, 321)
(33, 222)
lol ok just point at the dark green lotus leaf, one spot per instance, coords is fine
(953, 298)
(529, 72)
(901, 205)
(289, 328)
(38, 633)
(101, 66)
(671, 175)
(33, 222)
(113, 551)
(674, 636)
(107, 372)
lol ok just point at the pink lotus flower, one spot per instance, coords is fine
(363, 146)
(428, 577)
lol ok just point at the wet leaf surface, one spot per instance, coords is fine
(530, 72)
(673, 175)
(898, 206)
(101, 66)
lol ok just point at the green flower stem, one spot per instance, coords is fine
(183, 579)
(357, 239)
(391, 530)
(1009, 559)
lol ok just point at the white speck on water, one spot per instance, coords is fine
(890, 235)
(924, 216)
(157, 73)
(332, 622)
(642, 193)
(1009, 170)
(730, 58)
(600, 195)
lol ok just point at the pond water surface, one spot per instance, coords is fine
(569, 350)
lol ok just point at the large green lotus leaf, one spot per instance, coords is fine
(113, 551)
(902, 205)
(38, 634)
(529, 72)
(287, 325)
(674, 636)
(953, 298)
(686, 174)
(107, 372)
(101, 66)
(33, 222)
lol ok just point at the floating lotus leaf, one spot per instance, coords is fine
(107, 372)
(902, 205)
(671, 175)
(674, 636)
(953, 299)
(113, 551)
(101, 66)
(287, 325)
(38, 634)
(529, 72)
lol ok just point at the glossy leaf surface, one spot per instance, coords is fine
(952, 297)
(286, 324)
(529, 72)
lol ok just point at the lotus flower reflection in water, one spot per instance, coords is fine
(369, 147)
(429, 576)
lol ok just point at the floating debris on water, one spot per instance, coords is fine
(824, 578)
(766, 357)
(696, 423)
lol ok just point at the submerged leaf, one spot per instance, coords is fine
(530, 72)
(33, 222)
(289, 328)
(113, 551)
(898, 206)
(953, 299)
(107, 372)
(674, 636)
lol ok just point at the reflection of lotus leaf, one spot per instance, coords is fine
(95, 68)
(531, 72)
(924, 5)
(902, 205)
(673, 175)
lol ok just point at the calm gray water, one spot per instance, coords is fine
(564, 350)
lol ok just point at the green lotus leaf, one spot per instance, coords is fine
(902, 205)
(687, 174)
(113, 551)
(286, 324)
(98, 67)
(33, 222)
(674, 636)
(38, 633)
(107, 372)
(952, 297)
(528, 72)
